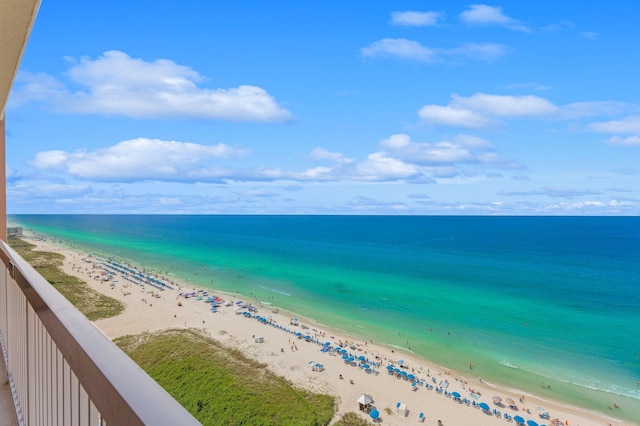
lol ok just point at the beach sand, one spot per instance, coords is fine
(292, 358)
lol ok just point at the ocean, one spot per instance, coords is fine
(531, 302)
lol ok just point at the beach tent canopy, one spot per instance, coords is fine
(365, 399)
(401, 408)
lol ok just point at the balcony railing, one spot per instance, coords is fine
(63, 370)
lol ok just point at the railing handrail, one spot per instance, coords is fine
(120, 390)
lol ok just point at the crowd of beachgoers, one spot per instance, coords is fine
(399, 388)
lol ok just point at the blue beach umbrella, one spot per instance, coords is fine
(519, 420)
(327, 344)
(532, 423)
(374, 414)
(484, 406)
(400, 362)
(389, 367)
(456, 395)
(411, 376)
(366, 366)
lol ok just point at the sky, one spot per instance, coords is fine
(327, 107)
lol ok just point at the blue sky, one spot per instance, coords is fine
(332, 107)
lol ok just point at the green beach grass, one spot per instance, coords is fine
(219, 385)
(92, 304)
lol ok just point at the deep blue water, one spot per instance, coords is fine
(526, 299)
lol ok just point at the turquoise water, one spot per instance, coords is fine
(526, 299)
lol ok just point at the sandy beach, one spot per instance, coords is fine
(273, 342)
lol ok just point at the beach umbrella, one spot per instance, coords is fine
(410, 376)
(484, 406)
(327, 344)
(365, 399)
(374, 414)
(510, 401)
(400, 362)
(389, 367)
(366, 366)
(519, 420)
(497, 400)
(531, 423)
(455, 394)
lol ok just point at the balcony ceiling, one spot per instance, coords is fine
(16, 20)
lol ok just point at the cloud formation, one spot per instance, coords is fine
(555, 192)
(416, 19)
(482, 14)
(398, 159)
(480, 110)
(411, 50)
(117, 84)
(135, 160)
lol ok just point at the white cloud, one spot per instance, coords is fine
(598, 108)
(398, 159)
(631, 140)
(555, 192)
(589, 35)
(626, 125)
(323, 154)
(482, 14)
(480, 51)
(400, 48)
(401, 146)
(117, 84)
(480, 109)
(416, 19)
(412, 50)
(137, 159)
(451, 116)
(506, 106)
(380, 167)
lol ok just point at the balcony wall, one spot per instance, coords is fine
(62, 369)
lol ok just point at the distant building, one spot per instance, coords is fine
(14, 231)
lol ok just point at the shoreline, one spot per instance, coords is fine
(290, 357)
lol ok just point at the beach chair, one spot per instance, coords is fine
(421, 418)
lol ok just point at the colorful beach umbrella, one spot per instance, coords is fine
(510, 401)
(497, 400)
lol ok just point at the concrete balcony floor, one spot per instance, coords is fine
(7, 412)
